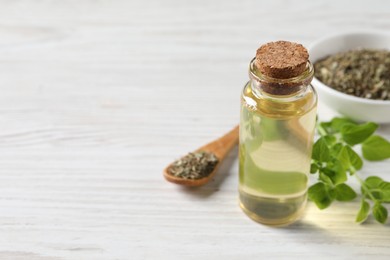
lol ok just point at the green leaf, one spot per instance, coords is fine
(376, 148)
(372, 183)
(324, 128)
(356, 134)
(344, 192)
(337, 123)
(349, 159)
(325, 178)
(354, 159)
(321, 151)
(385, 188)
(336, 172)
(363, 212)
(335, 150)
(343, 158)
(330, 139)
(334, 126)
(313, 168)
(380, 213)
(321, 195)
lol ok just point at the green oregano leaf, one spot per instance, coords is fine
(373, 182)
(385, 188)
(355, 161)
(343, 158)
(349, 159)
(363, 212)
(313, 168)
(330, 140)
(344, 192)
(321, 151)
(376, 148)
(321, 195)
(336, 172)
(325, 178)
(356, 134)
(337, 123)
(335, 150)
(325, 128)
(379, 212)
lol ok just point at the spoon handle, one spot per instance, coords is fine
(221, 146)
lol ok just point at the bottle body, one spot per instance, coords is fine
(276, 138)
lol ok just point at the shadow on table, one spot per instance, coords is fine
(335, 228)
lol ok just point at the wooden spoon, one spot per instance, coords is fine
(220, 147)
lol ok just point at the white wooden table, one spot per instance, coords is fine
(98, 96)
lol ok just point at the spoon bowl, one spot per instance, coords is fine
(219, 147)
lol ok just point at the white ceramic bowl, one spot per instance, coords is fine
(360, 109)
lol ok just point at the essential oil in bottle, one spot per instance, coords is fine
(278, 114)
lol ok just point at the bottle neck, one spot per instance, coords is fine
(275, 88)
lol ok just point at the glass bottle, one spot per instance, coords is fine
(276, 137)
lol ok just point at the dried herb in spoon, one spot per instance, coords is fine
(362, 73)
(194, 165)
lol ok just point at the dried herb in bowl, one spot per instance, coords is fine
(362, 73)
(194, 165)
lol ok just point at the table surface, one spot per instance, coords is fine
(97, 97)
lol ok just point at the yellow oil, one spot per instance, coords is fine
(276, 137)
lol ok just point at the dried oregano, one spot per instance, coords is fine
(362, 73)
(194, 165)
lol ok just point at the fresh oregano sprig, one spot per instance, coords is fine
(334, 160)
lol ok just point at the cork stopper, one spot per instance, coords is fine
(281, 59)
